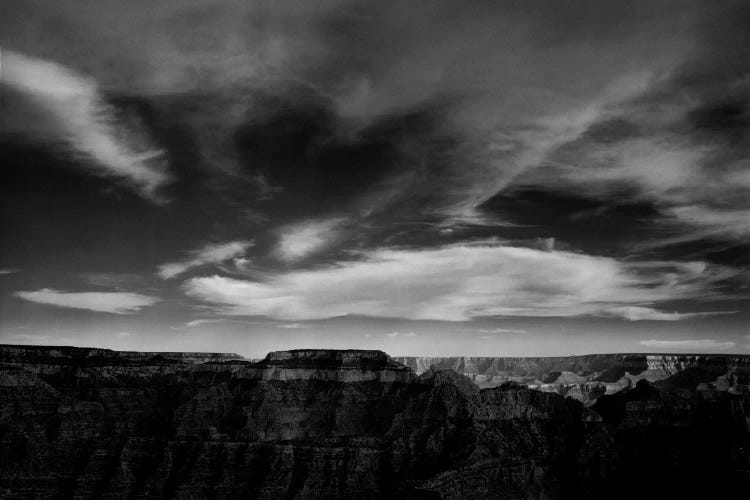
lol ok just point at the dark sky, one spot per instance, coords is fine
(436, 178)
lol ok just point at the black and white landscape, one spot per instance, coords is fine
(495, 194)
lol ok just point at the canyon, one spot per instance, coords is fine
(587, 377)
(96, 423)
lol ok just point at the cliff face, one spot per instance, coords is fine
(586, 378)
(342, 424)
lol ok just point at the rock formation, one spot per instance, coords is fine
(588, 377)
(92, 423)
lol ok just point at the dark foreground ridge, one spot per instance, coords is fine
(95, 423)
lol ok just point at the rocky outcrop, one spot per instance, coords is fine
(345, 424)
(588, 377)
(35, 355)
(663, 435)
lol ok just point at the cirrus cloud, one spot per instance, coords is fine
(393, 335)
(298, 241)
(109, 302)
(82, 117)
(638, 313)
(209, 254)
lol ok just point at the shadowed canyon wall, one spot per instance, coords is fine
(93, 423)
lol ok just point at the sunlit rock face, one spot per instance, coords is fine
(586, 378)
(78, 423)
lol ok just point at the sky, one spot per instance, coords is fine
(439, 178)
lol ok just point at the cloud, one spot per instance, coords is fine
(301, 240)
(639, 313)
(116, 281)
(689, 345)
(502, 331)
(508, 85)
(460, 282)
(697, 198)
(210, 254)
(292, 326)
(198, 322)
(678, 144)
(110, 302)
(83, 118)
(8, 271)
(695, 223)
(393, 335)
(731, 224)
(521, 82)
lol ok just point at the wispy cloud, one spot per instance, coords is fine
(668, 146)
(639, 313)
(689, 345)
(393, 335)
(459, 282)
(210, 254)
(734, 223)
(502, 331)
(109, 302)
(301, 240)
(8, 271)
(116, 281)
(199, 322)
(703, 223)
(87, 122)
(195, 323)
(292, 326)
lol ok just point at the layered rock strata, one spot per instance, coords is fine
(347, 424)
(588, 377)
